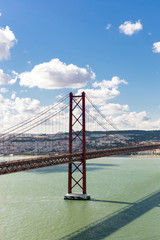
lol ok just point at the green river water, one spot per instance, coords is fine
(124, 205)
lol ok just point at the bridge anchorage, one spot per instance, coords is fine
(77, 170)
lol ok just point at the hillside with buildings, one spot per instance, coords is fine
(36, 144)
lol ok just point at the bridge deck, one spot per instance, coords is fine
(45, 161)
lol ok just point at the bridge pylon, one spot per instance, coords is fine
(77, 170)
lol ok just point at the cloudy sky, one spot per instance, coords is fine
(108, 48)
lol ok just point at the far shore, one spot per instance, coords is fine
(147, 155)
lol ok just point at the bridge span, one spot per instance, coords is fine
(7, 167)
(77, 133)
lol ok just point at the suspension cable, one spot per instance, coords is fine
(100, 124)
(33, 125)
(21, 124)
(102, 115)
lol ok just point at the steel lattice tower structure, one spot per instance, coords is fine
(77, 133)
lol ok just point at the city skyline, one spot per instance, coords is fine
(109, 49)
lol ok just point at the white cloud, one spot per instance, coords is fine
(0, 14)
(7, 41)
(133, 120)
(119, 115)
(3, 90)
(56, 75)
(108, 26)
(7, 79)
(13, 96)
(4, 78)
(25, 105)
(130, 28)
(16, 110)
(1, 99)
(114, 109)
(103, 91)
(14, 79)
(156, 47)
(22, 91)
(122, 118)
(59, 96)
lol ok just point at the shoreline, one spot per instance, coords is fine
(148, 155)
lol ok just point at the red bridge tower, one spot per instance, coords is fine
(77, 171)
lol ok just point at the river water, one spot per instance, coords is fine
(124, 205)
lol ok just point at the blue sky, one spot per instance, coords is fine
(110, 49)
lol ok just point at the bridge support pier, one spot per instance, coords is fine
(77, 196)
(77, 136)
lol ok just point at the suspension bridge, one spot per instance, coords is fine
(53, 121)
